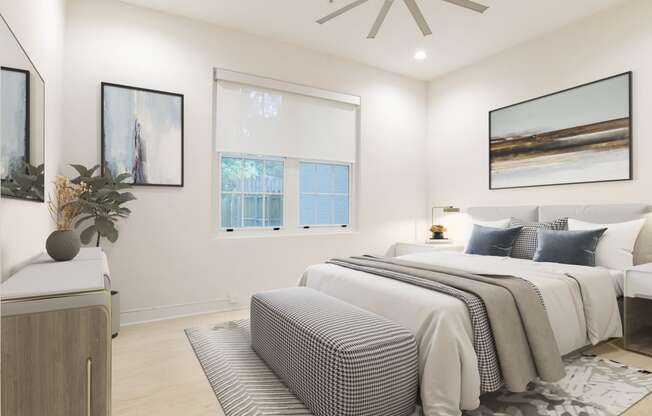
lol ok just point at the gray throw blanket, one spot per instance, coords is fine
(523, 337)
(491, 378)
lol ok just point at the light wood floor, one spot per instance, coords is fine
(155, 371)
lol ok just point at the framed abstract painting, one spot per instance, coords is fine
(14, 123)
(142, 134)
(579, 135)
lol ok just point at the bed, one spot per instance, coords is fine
(581, 302)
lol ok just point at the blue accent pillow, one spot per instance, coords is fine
(568, 247)
(490, 241)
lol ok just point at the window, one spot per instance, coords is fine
(285, 157)
(324, 194)
(251, 192)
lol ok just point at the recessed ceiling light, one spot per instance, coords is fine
(420, 55)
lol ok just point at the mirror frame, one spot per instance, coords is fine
(29, 115)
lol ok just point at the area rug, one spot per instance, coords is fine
(245, 386)
(592, 386)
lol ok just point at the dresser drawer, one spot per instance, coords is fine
(56, 362)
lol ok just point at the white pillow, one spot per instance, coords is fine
(504, 223)
(616, 247)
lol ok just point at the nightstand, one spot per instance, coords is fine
(638, 309)
(401, 249)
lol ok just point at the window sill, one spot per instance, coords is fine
(276, 234)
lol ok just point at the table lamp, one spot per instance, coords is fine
(438, 230)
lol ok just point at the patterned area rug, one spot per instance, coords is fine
(245, 386)
(242, 382)
(592, 386)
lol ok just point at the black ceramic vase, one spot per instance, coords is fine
(437, 236)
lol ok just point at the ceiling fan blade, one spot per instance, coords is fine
(471, 5)
(380, 19)
(341, 11)
(418, 17)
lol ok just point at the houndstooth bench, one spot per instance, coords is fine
(340, 360)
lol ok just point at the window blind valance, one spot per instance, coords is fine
(255, 119)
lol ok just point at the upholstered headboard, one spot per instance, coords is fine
(525, 213)
(603, 214)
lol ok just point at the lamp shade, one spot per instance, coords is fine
(448, 209)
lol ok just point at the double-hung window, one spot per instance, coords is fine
(286, 155)
(251, 192)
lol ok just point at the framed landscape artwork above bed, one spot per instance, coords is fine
(579, 135)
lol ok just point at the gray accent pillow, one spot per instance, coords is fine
(525, 244)
(568, 247)
(489, 241)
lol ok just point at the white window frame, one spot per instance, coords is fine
(291, 202)
(325, 162)
(242, 156)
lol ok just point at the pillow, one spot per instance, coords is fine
(491, 241)
(504, 223)
(468, 229)
(526, 242)
(568, 247)
(616, 247)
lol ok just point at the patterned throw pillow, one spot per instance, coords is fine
(525, 244)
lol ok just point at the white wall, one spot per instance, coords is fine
(167, 260)
(24, 225)
(609, 43)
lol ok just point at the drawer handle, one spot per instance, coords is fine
(89, 385)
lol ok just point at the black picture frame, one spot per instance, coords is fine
(103, 110)
(629, 75)
(27, 75)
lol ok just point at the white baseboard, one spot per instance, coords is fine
(165, 312)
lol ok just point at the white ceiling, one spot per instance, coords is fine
(459, 38)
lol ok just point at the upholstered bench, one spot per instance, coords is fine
(338, 359)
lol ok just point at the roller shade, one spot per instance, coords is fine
(256, 120)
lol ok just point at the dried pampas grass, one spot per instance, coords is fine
(64, 207)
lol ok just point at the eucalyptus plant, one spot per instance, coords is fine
(27, 185)
(102, 204)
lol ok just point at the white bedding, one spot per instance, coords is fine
(618, 279)
(441, 324)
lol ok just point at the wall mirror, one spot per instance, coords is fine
(22, 121)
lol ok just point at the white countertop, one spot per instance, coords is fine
(46, 277)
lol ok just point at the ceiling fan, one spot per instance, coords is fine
(411, 5)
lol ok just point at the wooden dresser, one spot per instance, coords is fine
(56, 338)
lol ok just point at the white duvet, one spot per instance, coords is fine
(580, 301)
